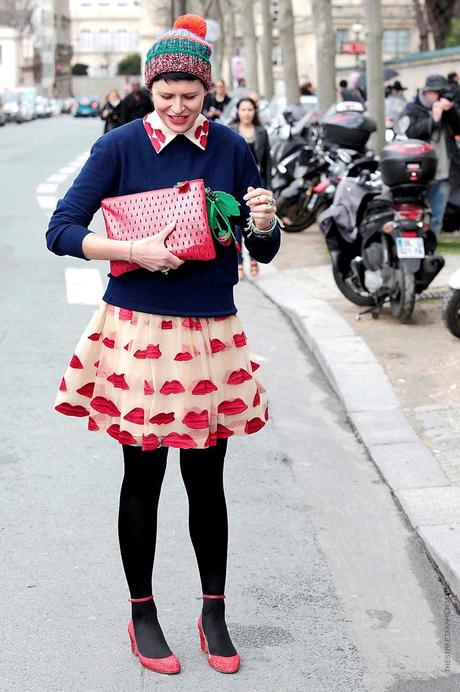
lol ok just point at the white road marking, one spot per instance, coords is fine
(262, 359)
(46, 188)
(56, 178)
(68, 169)
(46, 201)
(84, 286)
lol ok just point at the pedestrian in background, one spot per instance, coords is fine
(164, 362)
(111, 110)
(137, 104)
(454, 87)
(216, 101)
(348, 94)
(435, 119)
(248, 125)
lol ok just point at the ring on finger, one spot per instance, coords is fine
(271, 203)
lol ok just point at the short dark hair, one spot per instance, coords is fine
(451, 76)
(256, 120)
(343, 83)
(177, 77)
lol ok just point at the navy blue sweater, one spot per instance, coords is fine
(123, 162)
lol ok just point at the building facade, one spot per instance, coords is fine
(63, 49)
(400, 33)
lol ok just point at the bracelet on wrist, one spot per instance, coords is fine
(261, 232)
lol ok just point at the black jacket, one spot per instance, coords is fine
(422, 126)
(135, 105)
(262, 153)
(111, 116)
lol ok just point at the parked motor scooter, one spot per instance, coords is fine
(451, 306)
(378, 231)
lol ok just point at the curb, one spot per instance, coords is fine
(412, 473)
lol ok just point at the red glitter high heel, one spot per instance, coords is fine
(168, 665)
(223, 664)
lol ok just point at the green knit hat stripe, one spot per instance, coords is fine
(181, 46)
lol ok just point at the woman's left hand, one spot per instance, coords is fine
(262, 205)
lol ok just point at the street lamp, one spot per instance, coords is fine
(357, 27)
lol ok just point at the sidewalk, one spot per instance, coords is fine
(409, 425)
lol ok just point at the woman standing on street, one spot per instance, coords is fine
(248, 125)
(164, 361)
(111, 111)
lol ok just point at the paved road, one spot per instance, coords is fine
(329, 589)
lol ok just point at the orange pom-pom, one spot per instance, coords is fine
(192, 22)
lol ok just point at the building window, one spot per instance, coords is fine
(341, 35)
(396, 41)
(85, 41)
(104, 40)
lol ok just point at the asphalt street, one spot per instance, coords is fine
(329, 589)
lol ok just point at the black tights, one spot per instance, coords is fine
(202, 473)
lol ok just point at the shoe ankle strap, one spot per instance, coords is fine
(212, 596)
(141, 600)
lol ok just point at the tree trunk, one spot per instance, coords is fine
(267, 49)
(287, 42)
(325, 54)
(249, 44)
(374, 71)
(422, 26)
(439, 14)
(229, 40)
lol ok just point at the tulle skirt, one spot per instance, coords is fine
(151, 380)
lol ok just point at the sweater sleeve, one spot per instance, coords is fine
(261, 249)
(421, 124)
(73, 214)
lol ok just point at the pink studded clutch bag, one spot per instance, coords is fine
(130, 217)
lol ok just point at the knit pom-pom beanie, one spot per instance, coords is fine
(181, 49)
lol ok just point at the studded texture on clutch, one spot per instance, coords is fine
(144, 214)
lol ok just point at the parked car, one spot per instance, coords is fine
(85, 107)
(43, 107)
(10, 100)
(2, 113)
(27, 109)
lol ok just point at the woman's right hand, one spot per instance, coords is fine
(151, 253)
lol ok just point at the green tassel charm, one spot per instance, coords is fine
(220, 206)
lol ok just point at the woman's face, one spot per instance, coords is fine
(178, 104)
(246, 112)
(113, 96)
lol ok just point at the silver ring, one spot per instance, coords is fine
(164, 271)
(271, 203)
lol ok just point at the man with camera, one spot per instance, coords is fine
(434, 118)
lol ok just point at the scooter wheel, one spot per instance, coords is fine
(402, 305)
(451, 311)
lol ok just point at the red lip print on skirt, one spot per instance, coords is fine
(239, 376)
(150, 442)
(103, 405)
(204, 387)
(181, 441)
(118, 381)
(239, 340)
(195, 420)
(152, 351)
(110, 343)
(232, 407)
(254, 425)
(70, 410)
(95, 336)
(136, 415)
(172, 387)
(123, 436)
(86, 390)
(217, 345)
(162, 418)
(184, 355)
(76, 362)
(148, 388)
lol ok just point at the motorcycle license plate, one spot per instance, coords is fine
(410, 248)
